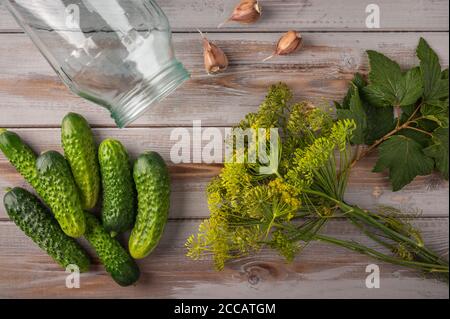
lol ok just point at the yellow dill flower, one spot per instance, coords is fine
(287, 193)
(305, 117)
(315, 156)
(341, 133)
(306, 161)
(256, 200)
(284, 246)
(235, 178)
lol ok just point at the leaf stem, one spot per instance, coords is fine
(418, 130)
(397, 129)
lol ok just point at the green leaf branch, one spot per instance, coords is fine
(403, 110)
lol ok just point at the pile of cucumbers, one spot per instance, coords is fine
(134, 197)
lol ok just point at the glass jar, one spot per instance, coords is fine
(116, 53)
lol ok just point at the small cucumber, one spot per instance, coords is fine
(81, 153)
(36, 222)
(118, 263)
(118, 210)
(61, 193)
(153, 188)
(21, 156)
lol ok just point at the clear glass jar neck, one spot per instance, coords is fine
(131, 105)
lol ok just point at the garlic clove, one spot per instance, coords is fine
(247, 11)
(290, 42)
(215, 59)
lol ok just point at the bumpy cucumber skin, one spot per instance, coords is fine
(81, 153)
(61, 193)
(21, 156)
(152, 181)
(118, 211)
(118, 263)
(30, 215)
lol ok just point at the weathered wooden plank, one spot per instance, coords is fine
(186, 15)
(32, 95)
(322, 271)
(367, 189)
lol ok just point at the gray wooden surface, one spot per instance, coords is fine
(33, 101)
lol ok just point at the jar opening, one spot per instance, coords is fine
(135, 102)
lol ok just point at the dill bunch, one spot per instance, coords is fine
(248, 210)
(285, 207)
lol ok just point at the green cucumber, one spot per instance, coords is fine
(31, 216)
(61, 193)
(81, 153)
(118, 211)
(21, 156)
(152, 181)
(118, 263)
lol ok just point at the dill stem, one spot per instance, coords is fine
(361, 215)
(380, 256)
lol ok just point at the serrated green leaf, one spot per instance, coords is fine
(435, 82)
(359, 82)
(439, 150)
(404, 158)
(389, 86)
(355, 112)
(382, 68)
(380, 121)
(378, 96)
(428, 109)
(439, 119)
(412, 87)
(436, 113)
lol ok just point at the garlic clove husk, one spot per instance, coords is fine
(247, 11)
(290, 42)
(215, 59)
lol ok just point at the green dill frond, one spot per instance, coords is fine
(211, 239)
(341, 133)
(215, 194)
(256, 200)
(249, 121)
(235, 178)
(276, 100)
(272, 111)
(285, 247)
(224, 238)
(399, 221)
(306, 118)
(308, 161)
(401, 251)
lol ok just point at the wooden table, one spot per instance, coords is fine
(33, 101)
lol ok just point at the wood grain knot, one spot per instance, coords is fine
(257, 272)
